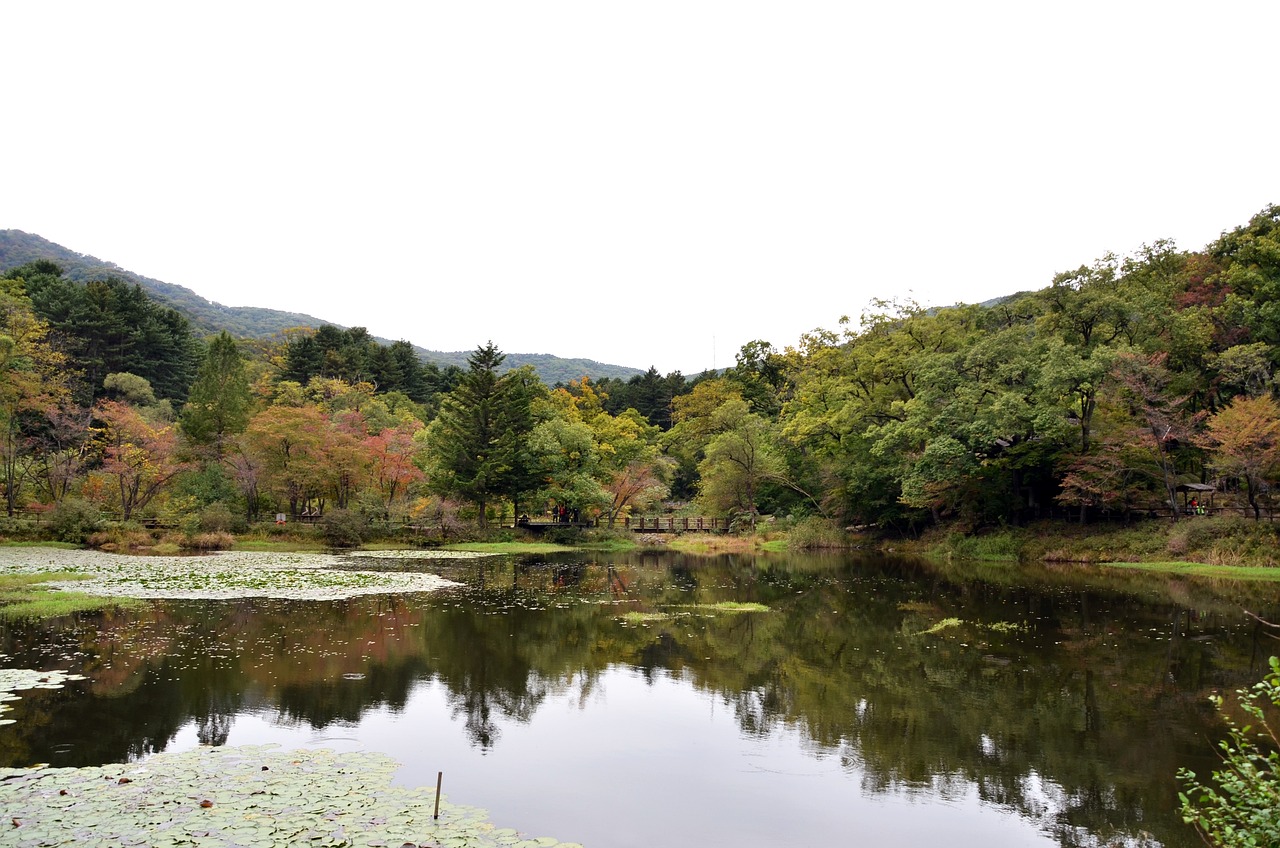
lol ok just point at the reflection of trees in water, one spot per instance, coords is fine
(1073, 711)
(213, 728)
(320, 703)
(1083, 699)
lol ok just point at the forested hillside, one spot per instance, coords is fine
(1125, 387)
(18, 248)
(248, 322)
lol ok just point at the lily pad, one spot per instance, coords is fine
(13, 680)
(234, 574)
(224, 797)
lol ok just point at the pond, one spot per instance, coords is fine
(664, 699)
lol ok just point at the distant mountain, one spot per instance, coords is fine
(206, 317)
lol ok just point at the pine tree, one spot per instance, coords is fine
(218, 405)
(478, 438)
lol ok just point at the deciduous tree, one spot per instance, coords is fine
(138, 456)
(1244, 439)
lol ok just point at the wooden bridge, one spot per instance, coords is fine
(636, 524)
(677, 524)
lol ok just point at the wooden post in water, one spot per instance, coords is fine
(439, 780)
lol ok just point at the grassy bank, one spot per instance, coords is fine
(30, 596)
(1219, 544)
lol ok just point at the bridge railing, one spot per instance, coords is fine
(676, 524)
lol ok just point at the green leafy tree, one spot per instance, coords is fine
(284, 452)
(108, 326)
(590, 460)
(739, 460)
(219, 402)
(1250, 257)
(760, 373)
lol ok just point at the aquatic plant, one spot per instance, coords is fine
(14, 680)
(250, 796)
(236, 574)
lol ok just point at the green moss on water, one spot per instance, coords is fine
(645, 617)
(66, 546)
(942, 625)
(730, 606)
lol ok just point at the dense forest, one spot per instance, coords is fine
(1121, 388)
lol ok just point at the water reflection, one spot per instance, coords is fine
(1063, 700)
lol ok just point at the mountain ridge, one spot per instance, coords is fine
(209, 317)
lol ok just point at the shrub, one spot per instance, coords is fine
(215, 541)
(1244, 809)
(18, 529)
(816, 532)
(73, 520)
(121, 536)
(342, 528)
(216, 518)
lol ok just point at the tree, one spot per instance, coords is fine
(738, 461)
(218, 404)
(1244, 439)
(635, 487)
(1145, 380)
(392, 451)
(759, 374)
(139, 456)
(33, 382)
(476, 440)
(586, 458)
(108, 326)
(285, 450)
(568, 462)
(58, 442)
(1250, 256)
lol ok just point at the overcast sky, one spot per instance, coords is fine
(640, 183)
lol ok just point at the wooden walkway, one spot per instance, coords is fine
(641, 524)
(677, 524)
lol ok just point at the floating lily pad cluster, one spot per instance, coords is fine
(241, 797)
(683, 610)
(236, 574)
(421, 554)
(14, 680)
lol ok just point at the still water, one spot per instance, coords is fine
(618, 700)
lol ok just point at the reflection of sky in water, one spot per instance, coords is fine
(576, 772)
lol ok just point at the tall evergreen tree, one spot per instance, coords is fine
(218, 405)
(108, 326)
(478, 437)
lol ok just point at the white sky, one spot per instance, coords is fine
(642, 183)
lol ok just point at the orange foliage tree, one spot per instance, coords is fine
(137, 456)
(392, 454)
(1244, 439)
